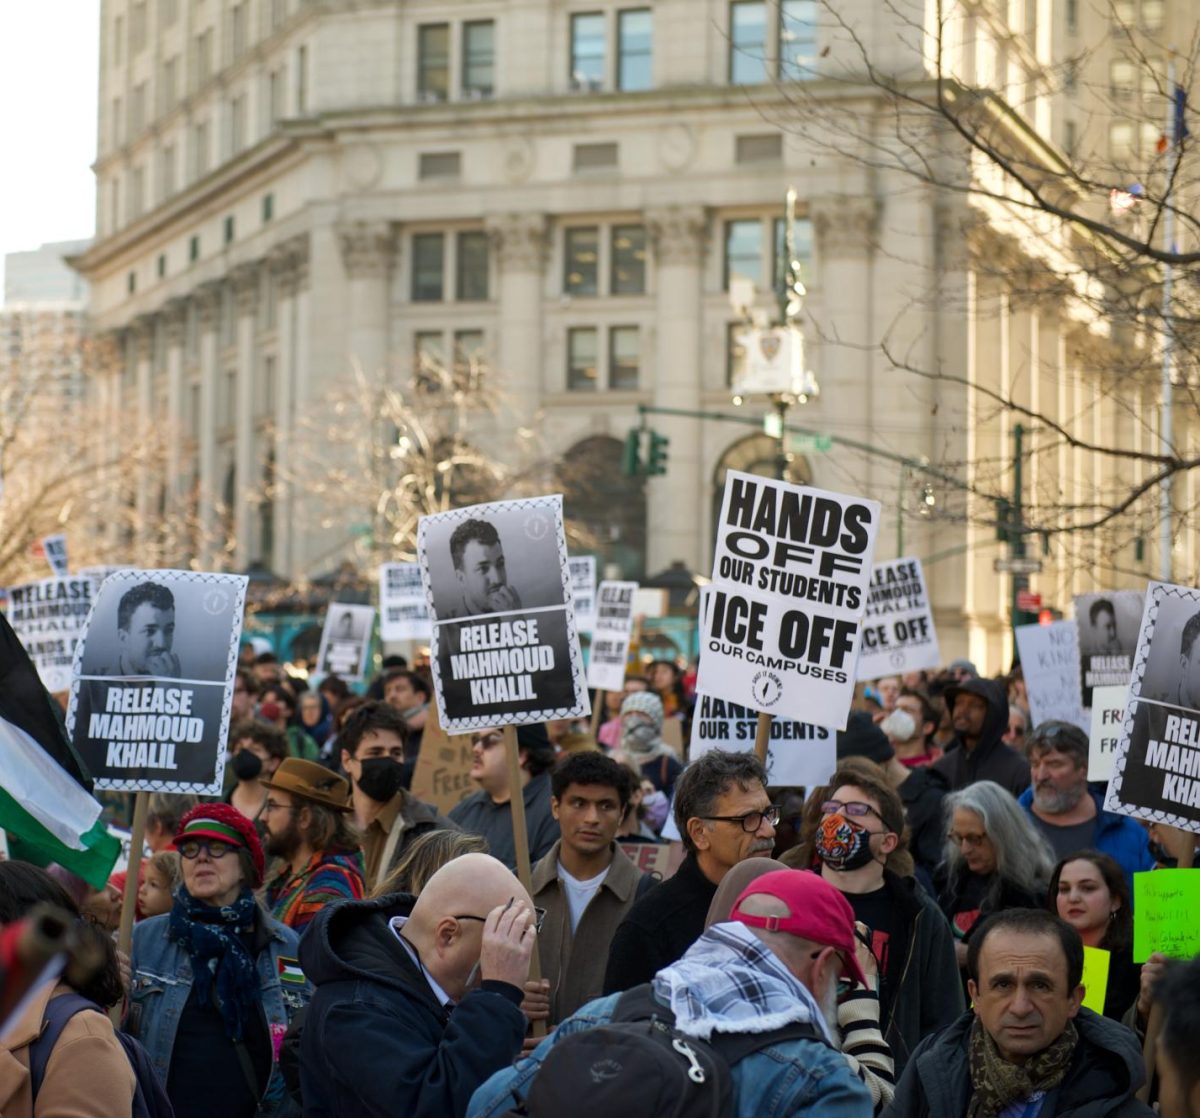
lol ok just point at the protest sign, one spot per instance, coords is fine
(583, 590)
(610, 637)
(660, 859)
(649, 602)
(346, 641)
(55, 549)
(898, 633)
(442, 775)
(1156, 766)
(798, 755)
(1108, 626)
(153, 680)
(1095, 977)
(1108, 712)
(783, 624)
(505, 648)
(1165, 903)
(1050, 659)
(99, 574)
(48, 617)
(403, 607)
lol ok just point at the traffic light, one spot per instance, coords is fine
(656, 460)
(631, 457)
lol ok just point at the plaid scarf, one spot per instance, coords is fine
(997, 1084)
(730, 982)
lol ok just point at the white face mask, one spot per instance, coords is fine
(899, 726)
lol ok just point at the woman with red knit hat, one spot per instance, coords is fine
(216, 981)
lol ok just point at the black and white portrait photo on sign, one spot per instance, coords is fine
(505, 643)
(1108, 634)
(403, 607)
(583, 590)
(153, 680)
(48, 617)
(1156, 765)
(346, 641)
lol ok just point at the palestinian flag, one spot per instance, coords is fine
(46, 800)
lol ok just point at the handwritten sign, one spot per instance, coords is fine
(442, 775)
(1095, 977)
(1165, 903)
(659, 859)
(1108, 713)
(1050, 657)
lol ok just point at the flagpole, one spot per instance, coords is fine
(1174, 140)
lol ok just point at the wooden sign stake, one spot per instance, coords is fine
(762, 736)
(597, 713)
(141, 808)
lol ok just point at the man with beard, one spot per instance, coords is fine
(389, 818)
(480, 569)
(1067, 812)
(979, 710)
(146, 633)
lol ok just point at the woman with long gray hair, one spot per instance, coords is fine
(995, 859)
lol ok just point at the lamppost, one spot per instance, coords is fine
(774, 354)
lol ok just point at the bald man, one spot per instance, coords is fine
(379, 1038)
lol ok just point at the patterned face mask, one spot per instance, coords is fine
(841, 845)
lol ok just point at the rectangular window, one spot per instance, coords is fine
(581, 360)
(767, 148)
(167, 172)
(131, 283)
(582, 259)
(302, 80)
(137, 27)
(798, 39)
(472, 270)
(204, 57)
(428, 278)
(479, 58)
(229, 227)
(137, 193)
(1070, 137)
(635, 49)
(274, 97)
(748, 42)
(628, 260)
(743, 251)
(1120, 140)
(162, 264)
(194, 249)
(802, 235)
(587, 51)
(237, 29)
(595, 157)
(429, 352)
(439, 165)
(200, 152)
(469, 364)
(137, 110)
(1122, 78)
(433, 61)
(237, 124)
(624, 358)
(268, 207)
(1124, 11)
(1152, 15)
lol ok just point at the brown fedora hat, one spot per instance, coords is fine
(311, 781)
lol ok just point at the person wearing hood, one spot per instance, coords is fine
(979, 710)
(417, 999)
(1027, 1047)
(642, 740)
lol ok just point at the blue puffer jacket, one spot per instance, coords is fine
(162, 983)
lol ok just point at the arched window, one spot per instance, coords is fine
(755, 454)
(605, 510)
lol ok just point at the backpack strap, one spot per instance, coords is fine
(639, 1004)
(59, 1010)
(737, 1046)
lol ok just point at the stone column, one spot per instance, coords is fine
(208, 306)
(519, 241)
(144, 503)
(174, 315)
(245, 281)
(679, 234)
(367, 249)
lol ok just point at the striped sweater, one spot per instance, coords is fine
(295, 898)
(863, 1045)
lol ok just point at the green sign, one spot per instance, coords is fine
(810, 444)
(1165, 903)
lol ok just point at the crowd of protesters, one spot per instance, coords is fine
(906, 939)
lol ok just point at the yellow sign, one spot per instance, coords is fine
(1095, 977)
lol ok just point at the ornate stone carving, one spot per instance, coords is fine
(519, 240)
(679, 233)
(288, 262)
(247, 288)
(367, 247)
(845, 224)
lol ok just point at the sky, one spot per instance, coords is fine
(49, 60)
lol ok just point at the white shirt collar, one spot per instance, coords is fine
(396, 924)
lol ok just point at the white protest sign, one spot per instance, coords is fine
(1108, 712)
(48, 617)
(798, 755)
(153, 680)
(649, 602)
(1108, 625)
(1050, 664)
(610, 639)
(505, 648)
(1156, 767)
(583, 590)
(55, 549)
(346, 640)
(898, 633)
(783, 622)
(403, 607)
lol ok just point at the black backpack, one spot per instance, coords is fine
(640, 1066)
(149, 1099)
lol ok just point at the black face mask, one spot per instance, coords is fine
(381, 778)
(246, 765)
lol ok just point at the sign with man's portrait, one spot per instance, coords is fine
(346, 641)
(153, 680)
(1108, 634)
(505, 646)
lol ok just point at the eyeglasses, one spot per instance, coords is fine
(214, 848)
(539, 918)
(852, 808)
(751, 821)
(487, 741)
(271, 805)
(973, 841)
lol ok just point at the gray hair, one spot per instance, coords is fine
(1023, 856)
(706, 780)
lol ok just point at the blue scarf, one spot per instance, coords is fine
(215, 939)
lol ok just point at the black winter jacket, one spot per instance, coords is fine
(376, 1041)
(1105, 1072)
(991, 759)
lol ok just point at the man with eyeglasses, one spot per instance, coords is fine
(417, 999)
(862, 823)
(724, 816)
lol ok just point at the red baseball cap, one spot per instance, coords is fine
(816, 911)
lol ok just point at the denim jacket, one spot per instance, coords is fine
(792, 1079)
(161, 984)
